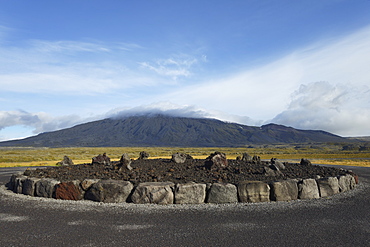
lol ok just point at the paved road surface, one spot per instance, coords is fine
(342, 220)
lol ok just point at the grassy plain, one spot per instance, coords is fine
(318, 154)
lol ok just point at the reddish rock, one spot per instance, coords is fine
(67, 191)
(216, 160)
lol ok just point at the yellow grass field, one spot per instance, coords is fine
(328, 154)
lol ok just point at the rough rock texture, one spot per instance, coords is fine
(277, 164)
(66, 162)
(284, 190)
(328, 186)
(87, 183)
(308, 189)
(101, 160)
(216, 160)
(143, 155)
(190, 193)
(253, 191)
(246, 157)
(153, 192)
(305, 162)
(18, 184)
(179, 158)
(46, 187)
(112, 191)
(346, 182)
(193, 170)
(67, 191)
(28, 187)
(124, 163)
(222, 193)
(272, 171)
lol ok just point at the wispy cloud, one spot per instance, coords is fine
(173, 67)
(265, 91)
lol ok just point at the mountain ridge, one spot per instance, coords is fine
(162, 130)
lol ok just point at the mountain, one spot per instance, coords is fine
(160, 130)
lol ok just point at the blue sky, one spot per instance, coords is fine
(303, 64)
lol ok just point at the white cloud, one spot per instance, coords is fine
(341, 109)
(39, 122)
(262, 92)
(172, 67)
(171, 109)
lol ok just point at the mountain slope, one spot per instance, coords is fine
(162, 130)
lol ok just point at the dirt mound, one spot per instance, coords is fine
(158, 170)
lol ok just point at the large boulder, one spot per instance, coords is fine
(216, 160)
(277, 164)
(87, 183)
(284, 190)
(222, 193)
(101, 160)
(65, 162)
(271, 171)
(46, 187)
(153, 192)
(305, 162)
(247, 158)
(28, 187)
(124, 163)
(111, 191)
(328, 186)
(308, 189)
(190, 193)
(253, 191)
(143, 155)
(12, 184)
(179, 158)
(346, 182)
(18, 183)
(67, 191)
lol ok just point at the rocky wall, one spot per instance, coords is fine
(115, 191)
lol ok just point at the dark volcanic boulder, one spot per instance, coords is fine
(101, 160)
(124, 163)
(305, 162)
(143, 155)
(65, 162)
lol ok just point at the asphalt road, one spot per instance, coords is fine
(341, 220)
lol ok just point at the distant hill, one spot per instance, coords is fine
(160, 130)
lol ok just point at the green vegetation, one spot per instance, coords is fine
(317, 153)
